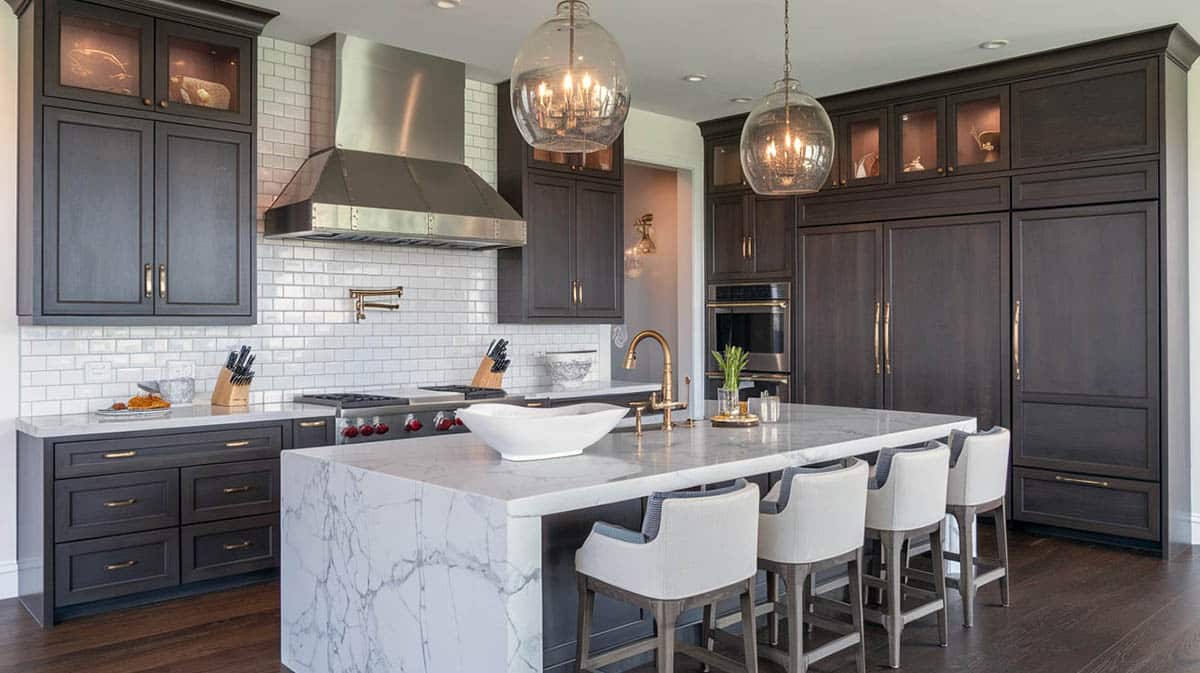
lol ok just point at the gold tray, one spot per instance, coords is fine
(741, 421)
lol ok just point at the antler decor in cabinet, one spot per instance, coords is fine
(1020, 257)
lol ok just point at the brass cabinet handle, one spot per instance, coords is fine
(1016, 340)
(162, 104)
(939, 169)
(120, 503)
(120, 566)
(1083, 482)
(148, 270)
(162, 281)
(580, 283)
(744, 253)
(747, 304)
(230, 490)
(238, 444)
(775, 378)
(312, 424)
(237, 545)
(535, 404)
(887, 337)
(750, 245)
(119, 454)
(877, 369)
(574, 292)
(147, 102)
(949, 169)
(843, 182)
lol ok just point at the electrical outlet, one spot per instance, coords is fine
(98, 372)
(180, 368)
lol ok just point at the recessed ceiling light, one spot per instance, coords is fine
(446, 4)
(993, 44)
(696, 77)
(741, 100)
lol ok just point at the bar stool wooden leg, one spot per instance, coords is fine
(708, 627)
(939, 583)
(893, 544)
(666, 614)
(856, 610)
(965, 517)
(1002, 549)
(797, 586)
(773, 616)
(749, 628)
(583, 635)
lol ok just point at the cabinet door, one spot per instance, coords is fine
(1085, 369)
(98, 214)
(977, 131)
(920, 128)
(728, 255)
(864, 140)
(204, 222)
(839, 295)
(724, 165)
(945, 316)
(1097, 113)
(203, 73)
(770, 237)
(605, 163)
(549, 209)
(98, 54)
(599, 258)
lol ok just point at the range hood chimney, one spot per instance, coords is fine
(387, 165)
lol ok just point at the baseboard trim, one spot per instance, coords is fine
(8, 579)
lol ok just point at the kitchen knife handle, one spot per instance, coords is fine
(162, 281)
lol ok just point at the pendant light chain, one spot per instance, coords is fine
(787, 40)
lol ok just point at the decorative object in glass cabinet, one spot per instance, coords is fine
(726, 165)
(203, 75)
(977, 132)
(919, 140)
(99, 55)
(570, 90)
(864, 149)
(787, 140)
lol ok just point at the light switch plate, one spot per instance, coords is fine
(181, 368)
(98, 372)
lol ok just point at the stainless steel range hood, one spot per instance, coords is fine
(387, 166)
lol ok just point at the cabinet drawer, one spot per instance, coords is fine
(311, 432)
(949, 196)
(115, 504)
(1111, 441)
(108, 456)
(230, 547)
(1088, 503)
(115, 566)
(213, 492)
(1084, 186)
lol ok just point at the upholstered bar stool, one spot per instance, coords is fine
(695, 548)
(813, 519)
(907, 502)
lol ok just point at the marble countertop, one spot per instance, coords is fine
(187, 416)
(622, 466)
(589, 389)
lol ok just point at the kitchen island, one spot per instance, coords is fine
(427, 555)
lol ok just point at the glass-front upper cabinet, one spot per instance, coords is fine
(978, 138)
(99, 54)
(725, 164)
(604, 163)
(920, 128)
(203, 73)
(864, 148)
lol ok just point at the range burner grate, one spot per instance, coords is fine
(468, 392)
(350, 400)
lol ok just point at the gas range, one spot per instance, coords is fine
(414, 412)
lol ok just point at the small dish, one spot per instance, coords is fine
(132, 413)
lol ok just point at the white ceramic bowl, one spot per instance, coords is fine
(524, 433)
(569, 368)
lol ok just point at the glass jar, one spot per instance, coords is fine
(768, 408)
(727, 402)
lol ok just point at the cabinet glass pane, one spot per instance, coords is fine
(600, 160)
(864, 149)
(918, 140)
(100, 55)
(726, 166)
(204, 75)
(977, 133)
(548, 157)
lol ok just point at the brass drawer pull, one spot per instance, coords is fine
(750, 245)
(120, 503)
(149, 271)
(1016, 340)
(244, 544)
(581, 292)
(230, 490)
(782, 303)
(162, 281)
(238, 444)
(887, 337)
(312, 424)
(119, 454)
(120, 566)
(877, 368)
(1084, 482)
(535, 404)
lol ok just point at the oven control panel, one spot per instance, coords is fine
(353, 429)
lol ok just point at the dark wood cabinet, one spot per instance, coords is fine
(98, 214)
(863, 149)
(726, 237)
(599, 251)
(920, 131)
(204, 228)
(98, 54)
(723, 164)
(749, 237)
(203, 73)
(605, 163)
(550, 250)
(977, 131)
(773, 219)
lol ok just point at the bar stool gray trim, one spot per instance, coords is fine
(979, 572)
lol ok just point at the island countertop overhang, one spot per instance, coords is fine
(622, 466)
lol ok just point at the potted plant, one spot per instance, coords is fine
(731, 363)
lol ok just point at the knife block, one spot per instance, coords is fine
(485, 377)
(225, 394)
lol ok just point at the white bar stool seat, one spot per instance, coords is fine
(695, 548)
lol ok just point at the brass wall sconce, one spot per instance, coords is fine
(361, 304)
(645, 226)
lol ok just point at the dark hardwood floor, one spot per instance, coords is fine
(1077, 608)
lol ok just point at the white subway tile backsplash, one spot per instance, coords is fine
(306, 338)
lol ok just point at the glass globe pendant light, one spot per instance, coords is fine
(570, 90)
(787, 141)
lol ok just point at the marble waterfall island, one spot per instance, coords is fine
(425, 555)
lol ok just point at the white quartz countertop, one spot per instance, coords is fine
(185, 416)
(589, 389)
(622, 466)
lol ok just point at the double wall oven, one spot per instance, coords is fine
(757, 317)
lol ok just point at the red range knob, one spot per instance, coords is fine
(458, 421)
(381, 428)
(349, 431)
(412, 424)
(366, 430)
(442, 423)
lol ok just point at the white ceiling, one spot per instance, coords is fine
(837, 45)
